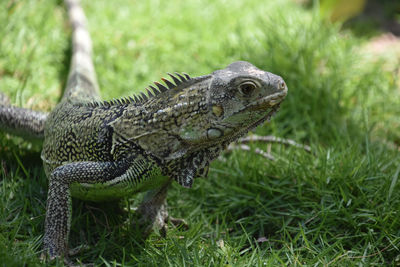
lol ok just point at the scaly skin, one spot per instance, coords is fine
(21, 121)
(108, 150)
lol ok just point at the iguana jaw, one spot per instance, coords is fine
(267, 117)
(265, 103)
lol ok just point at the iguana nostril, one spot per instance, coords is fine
(282, 85)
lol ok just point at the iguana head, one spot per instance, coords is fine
(221, 107)
(241, 97)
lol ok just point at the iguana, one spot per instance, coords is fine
(101, 150)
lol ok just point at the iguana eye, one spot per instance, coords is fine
(247, 88)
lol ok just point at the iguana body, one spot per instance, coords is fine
(105, 150)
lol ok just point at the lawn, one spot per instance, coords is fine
(336, 206)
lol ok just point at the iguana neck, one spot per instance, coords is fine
(169, 123)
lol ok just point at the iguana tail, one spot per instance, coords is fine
(82, 82)
(22, 122)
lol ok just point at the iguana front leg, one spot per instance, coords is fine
(153, 210)
(58, 210)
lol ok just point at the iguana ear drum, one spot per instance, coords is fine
(213, 133)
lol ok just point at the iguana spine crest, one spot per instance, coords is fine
(138, 99)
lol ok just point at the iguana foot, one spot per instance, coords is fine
(77, 250)
(242, 144)
(178, 222)
(159, 221)
(272, 139)
(46, 258)
(244, 147)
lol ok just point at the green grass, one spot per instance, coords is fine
(338, 206)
